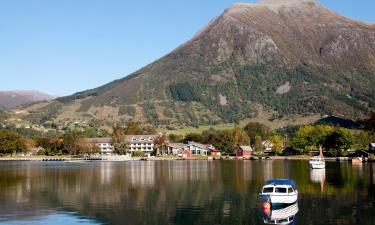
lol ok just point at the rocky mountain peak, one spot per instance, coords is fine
(286, 2)
(289, 57)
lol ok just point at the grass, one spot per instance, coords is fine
(296, 120)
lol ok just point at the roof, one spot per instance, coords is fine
(177, 145)
(138, 138)
(199, 145)
(128, 138)
(99, 140)
(246, 148)
(281, 182)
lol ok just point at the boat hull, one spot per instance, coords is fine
(318, 165)
(281, 216)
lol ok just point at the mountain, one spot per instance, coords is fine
(12, 99)
(281, 58)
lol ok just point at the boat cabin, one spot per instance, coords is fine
(279, 187)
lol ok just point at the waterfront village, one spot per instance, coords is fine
(133, 140)
(145, 144)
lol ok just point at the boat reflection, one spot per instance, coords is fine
(286, 215)
(318, 176)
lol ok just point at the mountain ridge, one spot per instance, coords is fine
(286, 58)
(15, 98)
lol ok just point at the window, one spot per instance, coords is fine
(281, 190)
(268, 190)
(290, 190)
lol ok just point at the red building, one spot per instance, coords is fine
(213, 152)
(244, 151)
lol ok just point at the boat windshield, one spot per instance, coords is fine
(268, 190)
(316, 159)
(281, 190)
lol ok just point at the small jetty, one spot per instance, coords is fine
(93, 159)
(53, 160)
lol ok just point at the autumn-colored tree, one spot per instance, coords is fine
(87, 148)
(161, 144)
(240, 137)
(257, 129)
(11, 142)
(133, 128)
(118, 140)
(278, 143)
(71, 139)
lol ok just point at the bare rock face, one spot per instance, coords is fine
(291, 56)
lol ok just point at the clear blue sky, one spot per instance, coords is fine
(61, 47)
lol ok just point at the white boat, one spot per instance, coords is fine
(318, 162)
(357, 160)
(279, 192)
(281, 216)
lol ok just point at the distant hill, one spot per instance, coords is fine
(12, 99)
(283, 57)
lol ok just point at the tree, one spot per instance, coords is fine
(240, 137)
(71, 139)
(11, 142)
(161, 144)
(363, 139)
(175, 137)
(257, 129)
(370, 123)
(225, 141)
(51, 146)
(277, 142)
(310, 137)
(193, 137)
(149, 130)
(258, 143)
(133, 128)
(84, 147)
(339, 140)
(118, 140)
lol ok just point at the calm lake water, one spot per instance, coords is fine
(180, 192)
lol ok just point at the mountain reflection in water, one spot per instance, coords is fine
(178, 192)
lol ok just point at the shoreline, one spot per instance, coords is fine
(161, 158)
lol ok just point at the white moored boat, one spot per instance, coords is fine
(279, 192)
(318, 162)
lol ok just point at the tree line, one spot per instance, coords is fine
(300, 140)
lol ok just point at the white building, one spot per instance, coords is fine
(197, 148)
(176, 148)
(267, 146)
(142, 143)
